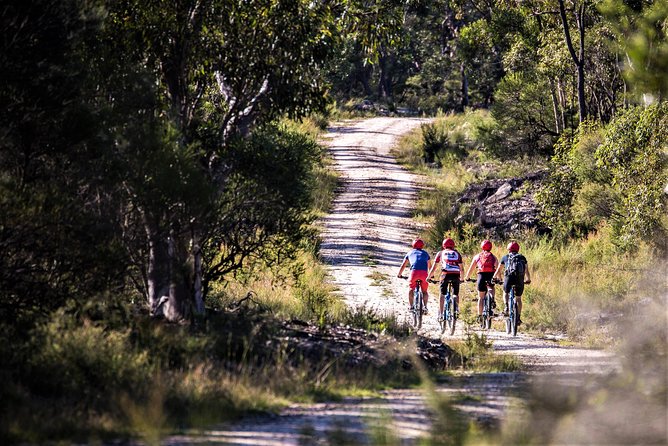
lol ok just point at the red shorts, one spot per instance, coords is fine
(419, 274)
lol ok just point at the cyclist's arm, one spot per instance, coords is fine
(403, 266)
(432, 270)
(468, 272)
(527, 275)
(498, 270)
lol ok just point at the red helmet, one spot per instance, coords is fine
(417, 243)
(486, 245)
(513, 247)
(448, 243)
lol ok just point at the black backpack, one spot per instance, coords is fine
(516, 265)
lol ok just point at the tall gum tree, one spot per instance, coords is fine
(578, 10)
(222, 67)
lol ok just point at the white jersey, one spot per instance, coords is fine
(450, 261)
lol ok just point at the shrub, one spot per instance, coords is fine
(91, 362)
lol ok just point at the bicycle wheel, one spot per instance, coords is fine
(452, 316)
(443, 317)
(414, 310)
(419, 307)
(514, 320)
(446, 313)
(487, 312)
(509, 318)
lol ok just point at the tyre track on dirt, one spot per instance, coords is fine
(369, 228)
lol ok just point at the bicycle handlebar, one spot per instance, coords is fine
(428, 280)
(497, 281)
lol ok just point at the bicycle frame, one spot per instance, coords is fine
(511, 320)
(486, 322)
(449, 315)
(418, 304)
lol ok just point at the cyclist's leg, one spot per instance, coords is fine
(412, 283)
(482, 290)
(441, 304)
(506, 291)
(422, 276)
(455, 291)
(444, 289)
(483, 279)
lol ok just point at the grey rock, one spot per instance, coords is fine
(501, 207)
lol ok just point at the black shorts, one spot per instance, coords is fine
(483, 278)
(509, 281)
(450, 278)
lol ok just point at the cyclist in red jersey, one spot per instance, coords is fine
(486, 263)
(451, 270)
(420, 264)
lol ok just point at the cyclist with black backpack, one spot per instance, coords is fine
(516, 274)
(486, 262)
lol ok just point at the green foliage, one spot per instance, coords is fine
(572, 166)
(443, 140)
(614, 175)
(263, 210)
(476, 353)
(57, 238)
(642, 32)
(635, 153)
(523, 118)
(92, 362)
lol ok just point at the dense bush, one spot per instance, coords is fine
(613, 175)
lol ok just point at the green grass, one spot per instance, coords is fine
(378, 278)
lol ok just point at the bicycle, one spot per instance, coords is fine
(513, 312)
(449, 317)
(487, 307)
(418, 305)
(417, 309)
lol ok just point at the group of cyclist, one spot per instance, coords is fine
(489, 268)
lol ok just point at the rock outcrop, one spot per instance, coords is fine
(502, 207)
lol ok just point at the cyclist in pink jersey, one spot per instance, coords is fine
(486, 263)
(420, 264)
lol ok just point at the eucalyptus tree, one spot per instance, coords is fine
(578, 11)
(221, 68)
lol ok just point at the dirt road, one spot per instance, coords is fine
(370, 227)
(364, 240)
